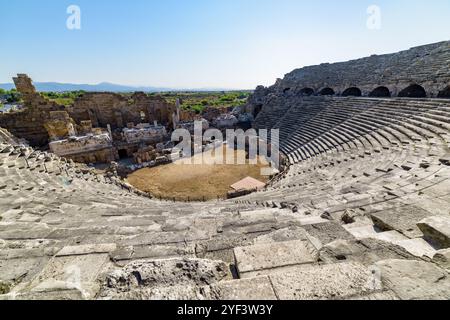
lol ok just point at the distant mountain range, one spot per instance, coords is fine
(101, 87)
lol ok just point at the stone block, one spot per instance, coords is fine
(365, 251)
(145, 275)
(437, 230)
(245, 289)
(87, 249)
(402, 219)
(163, 251)
(389, 236)
(418, 247)
(328, 232)
(78, 271)
(442, 259)
(412, 280)
(154, 238)
(263, 257)
(334, 281)
(23, 269)
(167, 293)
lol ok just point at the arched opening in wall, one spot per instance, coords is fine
(413, 91)
(307, 92)
(286, 90)
(327, 92)
(445, 94)
(158, 116)
(380, 92)
(123, 154)
(352, 92)
(143, 116)
(258, 109)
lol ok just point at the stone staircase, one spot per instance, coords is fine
(362, 213)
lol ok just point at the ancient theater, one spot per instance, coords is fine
(359, 208)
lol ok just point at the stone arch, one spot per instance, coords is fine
(158, 115)
(143, 116)
(257, 110)
(123, 153)
(352, 92)
(327, 92)
(413, 91)
(445, 94)
(307, 92)
(380, 92)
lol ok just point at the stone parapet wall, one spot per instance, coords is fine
(153, 134)
(106, 155)
(426, 67)
(76, 145)
(29, 124)
(116, 110)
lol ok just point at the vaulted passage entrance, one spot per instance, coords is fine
(380, 92)
(445, 93)
(413, 91)
(327, 92)
(257, 110)
(352, 92)
(307, 92)
(123, 154)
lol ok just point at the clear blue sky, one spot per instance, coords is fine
(203, 43)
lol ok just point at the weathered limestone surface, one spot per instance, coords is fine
(442, 258)
(337, 281)
(366, 251)
(87, 249)
(253, 260)
(340, 223)
(148, 275)
(437, 229)
(412, 280)
(246, 289)
(403, 219)
(328, 232)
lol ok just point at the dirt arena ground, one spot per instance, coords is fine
(181, 181)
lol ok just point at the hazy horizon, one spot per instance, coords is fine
(201, 44)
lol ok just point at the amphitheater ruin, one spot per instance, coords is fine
(361, 211)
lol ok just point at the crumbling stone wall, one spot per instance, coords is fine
(98, 156)
(60, 125)
(145, 154)
(42, 120)
(87, 149)
(29, 123)
(145, 133)
(118, 110)
(212, 113)
(427, 66)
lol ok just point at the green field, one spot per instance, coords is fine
(194, 101)
(198, 101)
